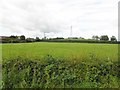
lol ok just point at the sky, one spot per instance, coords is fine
(33, 18)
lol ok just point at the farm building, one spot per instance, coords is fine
(2, 38)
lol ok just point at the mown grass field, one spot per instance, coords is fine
(60, 65)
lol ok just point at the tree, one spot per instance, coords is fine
(104, 37)
(95, 37)
(13, 37)
(22, 37)
(37, 39)
(113, 38)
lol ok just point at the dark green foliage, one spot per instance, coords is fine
(113, 39)
(22, 37)
(59, 73)
(37, 39)
(95, 37)
(13, 37)
(104, 37)
(79, 41)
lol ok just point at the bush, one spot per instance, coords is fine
(59, 73)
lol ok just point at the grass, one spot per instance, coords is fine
(60, 65)
(64, 50)
(0, 65)
(0, 53)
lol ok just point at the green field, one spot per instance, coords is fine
(60, 65)
(66, 50)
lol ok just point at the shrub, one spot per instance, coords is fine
(59, 73)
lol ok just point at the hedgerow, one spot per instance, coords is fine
(59, 73)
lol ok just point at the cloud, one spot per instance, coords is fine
(33, 17)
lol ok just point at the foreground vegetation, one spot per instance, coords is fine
(59, 73)
(60, 65)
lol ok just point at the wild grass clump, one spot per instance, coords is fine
(59, 73)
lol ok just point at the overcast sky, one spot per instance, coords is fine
(54, 17)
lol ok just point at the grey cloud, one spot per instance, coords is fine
(56, 16)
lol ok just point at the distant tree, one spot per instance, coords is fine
(59, 38)
(13, 37)
(37, 39)
(104, 37)
(95, 37)
(22, 37)
(113, 38)
(81, 38)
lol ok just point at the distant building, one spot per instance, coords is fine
(9, 38)
(30, 39)
(2, 38)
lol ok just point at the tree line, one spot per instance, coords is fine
(104, 37)
(95, 39)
